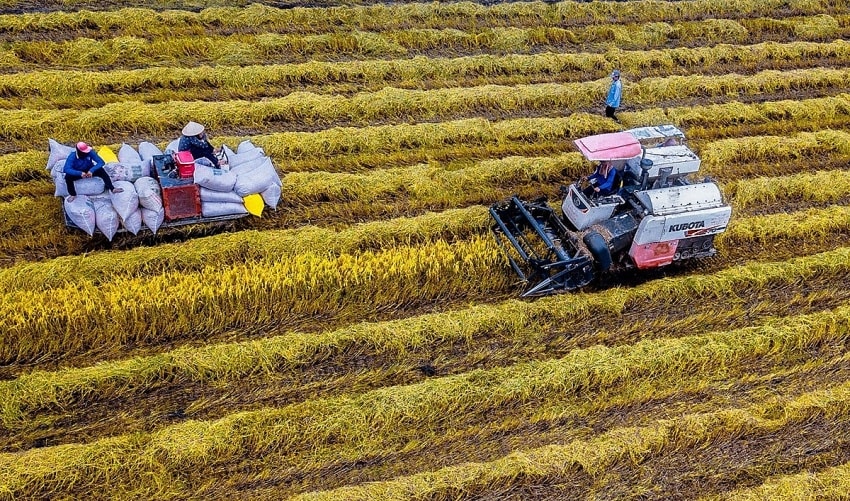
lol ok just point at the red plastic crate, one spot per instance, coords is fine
(181, 202)
(185, 163)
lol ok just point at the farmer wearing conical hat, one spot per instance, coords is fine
(195, 141)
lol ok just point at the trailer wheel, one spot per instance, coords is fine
(598, 247)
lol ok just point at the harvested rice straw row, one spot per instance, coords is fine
(512, 319)
(427, 184)
(26, 127)
(829, 483)
(246, 49)
(350, 427)
(145, 22)
(815, 145)
(816, 226)
(83, 89)
(595, 456)
(702, 122)
(227, 249)
(817, 187)
(383, 140)
(180, 305)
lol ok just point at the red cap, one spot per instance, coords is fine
(83, 147)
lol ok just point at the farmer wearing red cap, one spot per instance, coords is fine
(85, 163)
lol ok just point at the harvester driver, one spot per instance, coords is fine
(602, 182)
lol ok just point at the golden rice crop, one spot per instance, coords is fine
(352, 425)
(144, 22)
(248, 49)
(514, 319)
(777, 149)
(26, 127)
(175, 305)
(81, 89)
(819, 186)
(246, 246)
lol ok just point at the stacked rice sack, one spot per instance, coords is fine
(95, 208)
(246, 182)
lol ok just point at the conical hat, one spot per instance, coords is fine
(193, 129)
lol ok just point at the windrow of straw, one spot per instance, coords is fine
(344, 149)
(85, 89)
(351, 427)
(829, 483)
(802, 230)
(248, 49)
(816, 187)
(304, 109)
(594, 457)
(227, 249)
(778, 149)
(177, 305)
(460, 15)
(516, 321)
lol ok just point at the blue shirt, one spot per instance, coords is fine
(605, 184)
(614, 94)
(88, 162)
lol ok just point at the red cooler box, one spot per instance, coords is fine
(181, 202)
(185, 164)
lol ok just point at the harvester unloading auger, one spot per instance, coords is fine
(656, 217)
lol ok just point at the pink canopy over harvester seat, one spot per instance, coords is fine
(611, 146)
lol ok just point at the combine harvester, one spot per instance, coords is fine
(161, 190)
(656, 217)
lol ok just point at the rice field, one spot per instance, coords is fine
(366, 340)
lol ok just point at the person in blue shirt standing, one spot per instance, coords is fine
(612, 102)
(84, 163)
